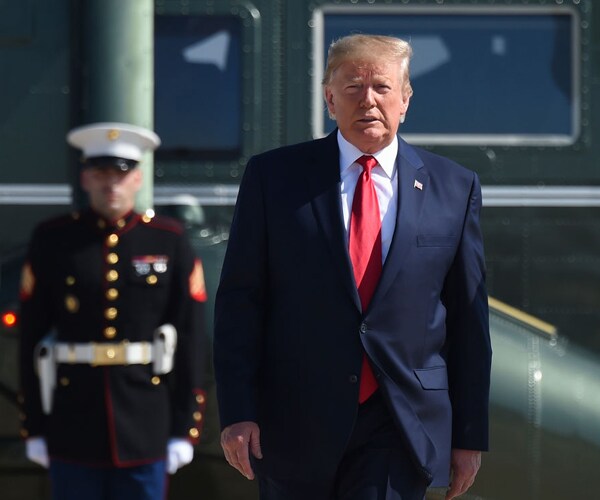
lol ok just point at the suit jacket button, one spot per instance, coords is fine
(353, 379)
(363, 328)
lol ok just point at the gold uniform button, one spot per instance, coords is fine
(112, 240)
(200, 399)
(121, 223)
(110, 332)
(110, 313)
(72, 303)
(24, 433)
(197, 416)
(155, 380)
(112, 275)
(112, 258)
(194, 433)
(70, 281)
(64, 381)
(152, 279)
(112, 294)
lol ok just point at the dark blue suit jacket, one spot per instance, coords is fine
(290, 332)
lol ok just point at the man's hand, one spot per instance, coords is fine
(236, 440)
(464, 465)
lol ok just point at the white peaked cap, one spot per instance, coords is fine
(120, 140)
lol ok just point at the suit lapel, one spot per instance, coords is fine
(324, 184)
(413, 184)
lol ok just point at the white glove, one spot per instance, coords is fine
(37, 451)
(180, 452)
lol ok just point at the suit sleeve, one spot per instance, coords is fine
(187, 313)
(468, 341)
(240, 306)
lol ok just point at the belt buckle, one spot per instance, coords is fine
(109, 354)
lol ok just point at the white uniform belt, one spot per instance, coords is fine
(104, 353)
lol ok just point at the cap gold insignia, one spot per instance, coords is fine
(27, 281)
(112, 135)
(197, 285)
(72, 303)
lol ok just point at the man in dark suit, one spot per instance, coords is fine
(352, 350)
(120, 401)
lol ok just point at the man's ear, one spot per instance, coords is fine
(405, 102)
(329, 101)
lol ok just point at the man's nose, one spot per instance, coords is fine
(368, 98)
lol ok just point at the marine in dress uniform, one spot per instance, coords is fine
(102, 282)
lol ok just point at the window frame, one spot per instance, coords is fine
(196, 167)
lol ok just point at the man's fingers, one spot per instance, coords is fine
(255, 444)
(451, 493)
(465, 464)
(236, 441)
(235, 449)
(457, 489)
(243, 458)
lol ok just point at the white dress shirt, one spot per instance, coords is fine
(385, 178)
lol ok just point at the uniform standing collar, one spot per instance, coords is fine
(349, 153)
(111, 225)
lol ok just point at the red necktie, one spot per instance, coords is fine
(365, 253)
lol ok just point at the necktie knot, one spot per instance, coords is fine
(367, 162)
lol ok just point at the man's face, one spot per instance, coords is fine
(367, 99)
(111, 191)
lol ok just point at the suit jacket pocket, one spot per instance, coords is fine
(435, 378)
(433, 240)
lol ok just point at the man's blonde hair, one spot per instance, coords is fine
(361, 47)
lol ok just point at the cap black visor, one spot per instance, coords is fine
(122, 164)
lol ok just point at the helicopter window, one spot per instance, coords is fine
(198, 86)
(507, 76)
(16, 23)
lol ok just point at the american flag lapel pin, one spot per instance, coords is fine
(418, 185)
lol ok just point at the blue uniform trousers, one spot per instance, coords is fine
(76, 482)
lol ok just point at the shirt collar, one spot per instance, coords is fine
(349, 153)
